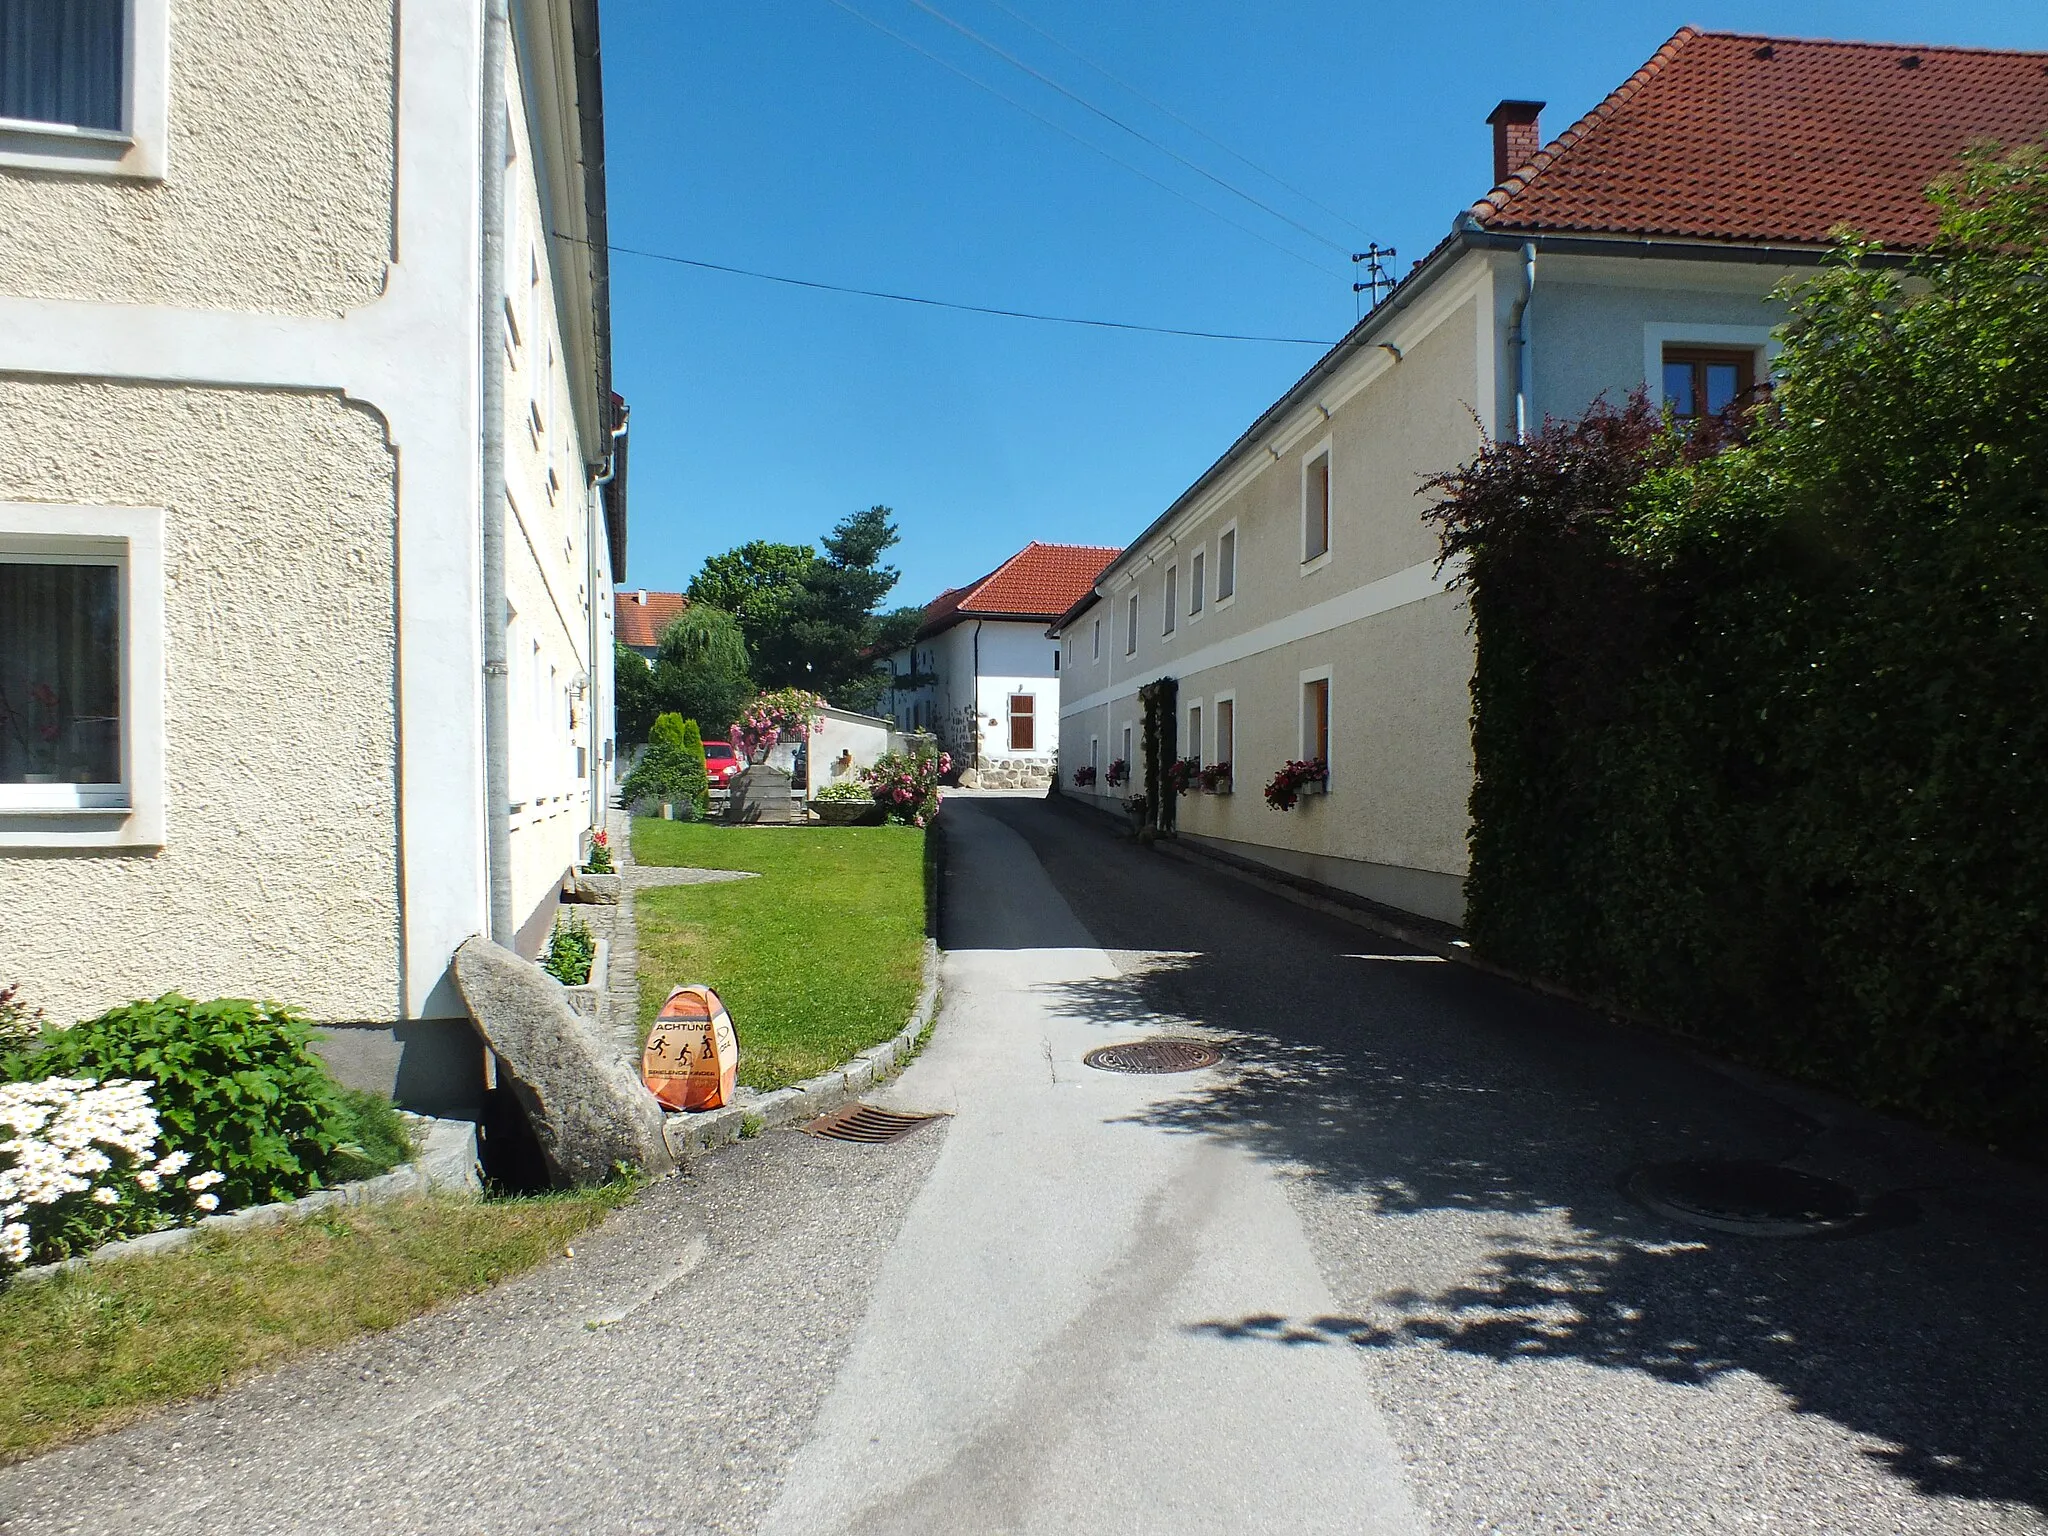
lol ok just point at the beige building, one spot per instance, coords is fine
(307, 446)
(1293, 591)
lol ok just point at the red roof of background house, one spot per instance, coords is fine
(1040, 581)
(640, 616)
(1729, 137)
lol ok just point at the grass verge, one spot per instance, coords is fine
(91, 1349)
(817, 959)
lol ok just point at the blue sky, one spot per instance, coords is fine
(790, 137)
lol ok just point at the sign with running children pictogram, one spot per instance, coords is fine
(692, 1058)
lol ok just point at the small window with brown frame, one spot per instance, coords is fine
(1023, 722)
(1704, 381)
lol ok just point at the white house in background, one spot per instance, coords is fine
(1293, 591)
(311, 504)
(983, 676)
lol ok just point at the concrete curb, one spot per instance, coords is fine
(691, 1135)
(447, 1162)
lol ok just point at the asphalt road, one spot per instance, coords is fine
(1374, 1274)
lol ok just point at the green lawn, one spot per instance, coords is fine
(817, 959)
(95, 1348)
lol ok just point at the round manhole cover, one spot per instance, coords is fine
(1153, 1056)
(1747, 1198)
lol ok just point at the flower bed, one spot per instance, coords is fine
(906, 784)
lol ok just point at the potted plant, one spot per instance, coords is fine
(1084, 777)
(1215, 778)
(1182, 773)
(906, 784)
(1119, 774)
(1300, 777)
(848, 803)
(1139, 809)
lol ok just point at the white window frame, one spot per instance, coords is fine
(1198, 577)
(1191, 727)
(1225, 599)
(1169, 600)
(1131, 624)
(1303, 679)
(1659, 334)
(1095, 765)
(1323, 451)
(132, 814)
(1217, 701)
(140, 148)
(1128, 756)
(1098, 639)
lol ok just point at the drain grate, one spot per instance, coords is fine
(865, 1123)
(1153, 1056)
(1750, 1199)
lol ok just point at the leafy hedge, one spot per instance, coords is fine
(671, 771)
(1761, 726)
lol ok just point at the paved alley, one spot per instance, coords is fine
(1374, 1273)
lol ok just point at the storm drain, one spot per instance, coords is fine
(1153, 1056)
(865, 1123)
(1750, 1199)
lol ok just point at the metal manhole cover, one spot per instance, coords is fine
(1750, 1199)
(1153, 1056)
(865, 1123)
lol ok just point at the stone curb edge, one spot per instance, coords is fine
(690, 1136)
(447, 1162)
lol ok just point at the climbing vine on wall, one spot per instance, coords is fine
(1161, 700)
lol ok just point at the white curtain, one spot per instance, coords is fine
(61, 61)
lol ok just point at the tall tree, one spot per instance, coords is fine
(757, 583)
(829, 642)
(701, 671)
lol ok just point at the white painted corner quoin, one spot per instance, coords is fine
(412, 357)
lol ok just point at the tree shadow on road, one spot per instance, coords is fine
(1429, 1088)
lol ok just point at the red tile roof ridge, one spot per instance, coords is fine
(1520, 178)
(1078, 566)
(1864, 42)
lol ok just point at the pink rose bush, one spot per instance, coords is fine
(787, 714)
(907, 784)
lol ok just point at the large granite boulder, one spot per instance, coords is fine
(589, 1111)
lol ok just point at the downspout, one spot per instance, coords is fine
(1518, 338)
(491, 358)
(974, 743)
(600, 791)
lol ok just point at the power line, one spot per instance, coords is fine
(1109, 117)
(972, 309)
(1057, 127)
(1159, 106)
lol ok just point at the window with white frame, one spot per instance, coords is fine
(1315, 719)
(1023, 722)
(83, 85)
(81, 675)
(1226, 565)
(1125, 755)
(1315, 505)
(1094, 756)
(1195, 593)
(1131, 625)
(1226, 731)
(1194, 742)
(1098, 641)
(1171, 606)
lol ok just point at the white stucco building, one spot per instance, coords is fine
(982, 674)
(1293, 591)
(311, 502)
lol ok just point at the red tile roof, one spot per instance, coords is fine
(641, 616)
(1730, 137)
(1040, 581)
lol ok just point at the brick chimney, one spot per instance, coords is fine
(1516, 137)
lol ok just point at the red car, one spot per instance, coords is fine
(721, 763)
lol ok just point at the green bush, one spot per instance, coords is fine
(571, 949)
(1761, 730)
(236, 1085)
(671, 770)
(851, 791)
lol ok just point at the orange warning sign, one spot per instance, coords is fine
(692, 1059)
